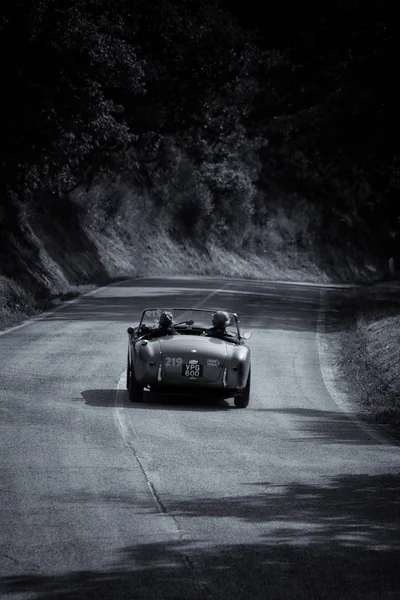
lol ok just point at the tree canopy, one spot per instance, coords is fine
(209, 109)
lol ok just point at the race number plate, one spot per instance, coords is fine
(192, 371)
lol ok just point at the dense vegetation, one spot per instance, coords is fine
(228, 125)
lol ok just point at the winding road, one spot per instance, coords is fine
(181, 499)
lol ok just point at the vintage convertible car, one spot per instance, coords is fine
(189, 361)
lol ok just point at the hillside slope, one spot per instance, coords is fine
(47, 254)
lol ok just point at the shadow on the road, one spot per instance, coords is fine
(338, 541)
(100, 398)
(319, 426)
(153, 401)
(270, 307)
(327, 427)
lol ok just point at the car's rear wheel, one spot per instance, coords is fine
(134, 388)
(242, 400)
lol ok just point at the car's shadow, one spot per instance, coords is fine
(153, 401)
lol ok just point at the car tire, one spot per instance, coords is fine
(242, 400)
(135, 389)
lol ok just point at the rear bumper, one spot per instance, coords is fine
(191, 390)
(230, 382)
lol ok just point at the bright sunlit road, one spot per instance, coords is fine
(184, 499)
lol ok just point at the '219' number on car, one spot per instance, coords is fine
(172, 361)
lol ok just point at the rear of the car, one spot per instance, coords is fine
(194, 365)
(189, 362)
(192, 360)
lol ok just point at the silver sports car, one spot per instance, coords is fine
(187, 355)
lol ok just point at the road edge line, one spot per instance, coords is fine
(171, 526)
(125, 430)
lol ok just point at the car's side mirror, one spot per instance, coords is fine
(130, 330)
(246, 335)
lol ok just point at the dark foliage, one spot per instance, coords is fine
(209, 110)
(331, 114)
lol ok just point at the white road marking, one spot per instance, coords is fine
(168, 521)
(126, 431)
(269, 281)
(210, 295)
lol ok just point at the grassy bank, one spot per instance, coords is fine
(368, 351)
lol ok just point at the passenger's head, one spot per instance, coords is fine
(220, 319)
(165, 319)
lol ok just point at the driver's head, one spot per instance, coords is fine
(220, 319)
(165, 319)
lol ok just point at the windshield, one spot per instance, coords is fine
(201, 318)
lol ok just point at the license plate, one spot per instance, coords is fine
(192, 371)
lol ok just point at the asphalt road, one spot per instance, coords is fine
(290, 498)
